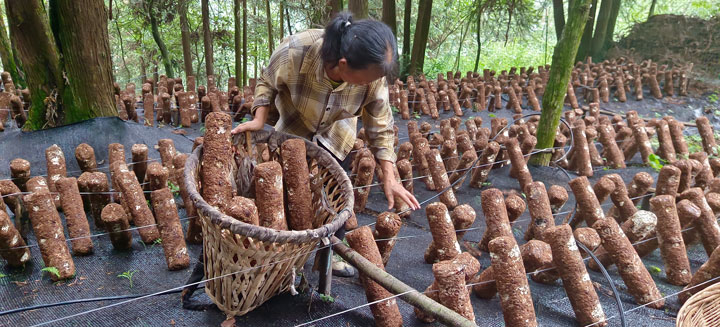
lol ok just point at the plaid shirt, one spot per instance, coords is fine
(303, 102)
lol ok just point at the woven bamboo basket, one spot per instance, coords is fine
(702, 309)
(246, 265)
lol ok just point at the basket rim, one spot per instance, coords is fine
(697, 300)
(264, 233)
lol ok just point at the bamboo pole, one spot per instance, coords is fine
(395, 286)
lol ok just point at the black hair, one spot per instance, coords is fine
(362, 43)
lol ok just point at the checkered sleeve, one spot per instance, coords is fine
(378, 121)
(272, 76)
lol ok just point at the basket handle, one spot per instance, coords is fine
(248, 141)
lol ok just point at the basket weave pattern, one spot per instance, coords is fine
(702, 309)
(246, 265)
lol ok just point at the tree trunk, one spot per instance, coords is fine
(268, 17)
(85, 43)
(585, 43)
(601, 29)
(122, 48)
(164, 54)
(238, 42)
(287, 19)
(562, 63)
(63, 92)
(244, 44)
(185, 37)
(422, 28)
(406, 37)
(282, 21)
(255, 43)
(389, 16)
(36, 49)
(460, 47)
(478, 27)
(358, 8)
(6, 54)
(652, 8)
(559, 17)
(612, 21)
(207, 39)
(143, 70)
(335, 6)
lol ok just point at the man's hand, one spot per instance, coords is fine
(253, 125)
(256, 124)
(394, 189)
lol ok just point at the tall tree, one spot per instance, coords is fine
(185, 38)
(422, 28)
(6, 54)
(562, 64)
(406, 37)
(282, 20)
(244, 42)
(586, 42)
(559, 17)
(333, 7)
(601, 29)
(63, 92)
(268, 17)
(359, 8)
(207, 39)
(237, 8)
(652, 8)
(287, 19)
(389, 17)
(158, 38)
(614, 13)
(479, 11)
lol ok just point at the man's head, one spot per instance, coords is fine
(363, 51)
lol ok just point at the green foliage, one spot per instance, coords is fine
(491, 115)
(327, 298)
(157, 241)
(2, 275)
(52, 270)
(654, 270)
(173, 188)
(656, 162)
(713, 97)
(128, 275)
(694, 143)
(452, 35)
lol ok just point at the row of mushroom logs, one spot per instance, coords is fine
(168, 101)
(622, 237)
(596, 82)
(152, 209)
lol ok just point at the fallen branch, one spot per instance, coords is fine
(395, 286)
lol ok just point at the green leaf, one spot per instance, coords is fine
(2, 275)
(52, 270)
(244, 120)
(173, 188)
(492, 115)
(656, 162)
(128, 275)
(202, 129)
(327, 298)
(654, 270)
